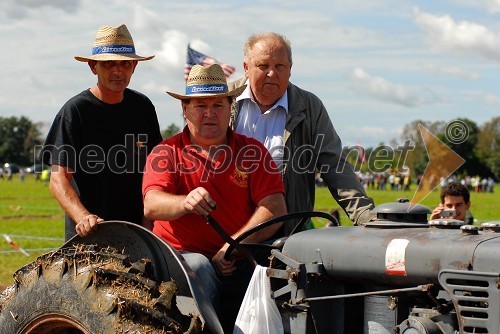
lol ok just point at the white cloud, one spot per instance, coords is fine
(15, 9)
(445, 34)
(492, 100)
(369, 136)
(382, 89)
(451, 71)
(173, 49)
(369, 131)
(329, 38)
(67, 6)
(492, 6)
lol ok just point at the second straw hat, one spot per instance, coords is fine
(204, 82)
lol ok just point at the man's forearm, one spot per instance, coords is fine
(66, 196)
(270, 207)
(159, 205)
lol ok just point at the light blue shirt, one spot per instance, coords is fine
(267, 127)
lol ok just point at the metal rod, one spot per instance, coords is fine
(362, 294)
(227, 238)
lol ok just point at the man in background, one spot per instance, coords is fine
(294, 126)
(99, 140)
(456, 197)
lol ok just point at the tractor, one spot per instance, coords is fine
(399, 273)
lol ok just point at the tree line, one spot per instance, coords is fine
(480, 146)
(19, 137)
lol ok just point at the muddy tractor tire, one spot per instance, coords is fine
(122, 279)
(89, 290)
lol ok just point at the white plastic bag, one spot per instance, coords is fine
(258, 313)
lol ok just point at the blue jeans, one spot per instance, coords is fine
(207, 276)
(228, 289)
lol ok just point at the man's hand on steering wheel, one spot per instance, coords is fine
(222, 266)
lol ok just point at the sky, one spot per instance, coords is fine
(377, 65)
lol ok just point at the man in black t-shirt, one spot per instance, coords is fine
(99, 140)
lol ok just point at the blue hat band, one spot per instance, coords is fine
(117, 49)
(206, 89)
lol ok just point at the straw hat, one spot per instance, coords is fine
(205, 82)
(113, 44)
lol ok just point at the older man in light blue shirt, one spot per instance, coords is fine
(295, 127)
(267, 127)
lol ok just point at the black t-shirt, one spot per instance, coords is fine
(106, 145)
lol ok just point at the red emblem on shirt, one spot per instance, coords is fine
(240, 178)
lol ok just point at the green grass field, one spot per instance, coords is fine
(484, 206)
(31, 217)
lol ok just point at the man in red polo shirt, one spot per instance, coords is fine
(209, 169)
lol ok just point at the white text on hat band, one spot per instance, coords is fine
(213, 89)
(118, 49)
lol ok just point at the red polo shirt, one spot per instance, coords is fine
(243, 174)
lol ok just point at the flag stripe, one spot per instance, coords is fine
(197, 58)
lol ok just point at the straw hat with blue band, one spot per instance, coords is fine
(205, 82)
(113, 44)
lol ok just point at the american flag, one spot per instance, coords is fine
(195, 57)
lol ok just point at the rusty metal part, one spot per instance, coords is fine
(54, 324)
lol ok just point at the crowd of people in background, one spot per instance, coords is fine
(395, 180)
(475, 183)
(7, 174)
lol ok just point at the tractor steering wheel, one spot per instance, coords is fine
(303, 216)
